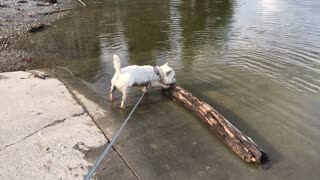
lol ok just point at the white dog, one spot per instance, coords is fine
(139, 76)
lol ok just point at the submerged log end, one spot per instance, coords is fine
(264, 161)
(260, 159)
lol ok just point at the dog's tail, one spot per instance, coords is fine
(116, 64)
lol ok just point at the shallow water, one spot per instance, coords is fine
(257, 62)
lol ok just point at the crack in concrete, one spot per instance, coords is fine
(85, 109)
(56, 122)
(126, 162)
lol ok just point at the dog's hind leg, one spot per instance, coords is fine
(113, 86)
(125, 92)
(112, 89)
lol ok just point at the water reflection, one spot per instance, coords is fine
(256, 61)
(273, 38)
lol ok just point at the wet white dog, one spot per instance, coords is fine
(140, 76)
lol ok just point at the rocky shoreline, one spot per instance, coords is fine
(19, 18)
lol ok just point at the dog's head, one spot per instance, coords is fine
(168, 74)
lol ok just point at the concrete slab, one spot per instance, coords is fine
(28, 104)
(46, 154)
(46, 134)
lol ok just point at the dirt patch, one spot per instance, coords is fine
(19, 18)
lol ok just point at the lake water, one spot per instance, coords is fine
(257, 62)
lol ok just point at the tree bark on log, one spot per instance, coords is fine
(241, 144)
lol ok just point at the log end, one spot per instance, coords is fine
(264, 162)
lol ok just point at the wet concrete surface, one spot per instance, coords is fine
(162, 140)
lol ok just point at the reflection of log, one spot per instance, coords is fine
(241, 144)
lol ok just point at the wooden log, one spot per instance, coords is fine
(241, 144)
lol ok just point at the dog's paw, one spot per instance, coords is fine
(145, 89)
(166, 86)
(111, 99)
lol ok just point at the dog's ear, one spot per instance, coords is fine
(166, 64)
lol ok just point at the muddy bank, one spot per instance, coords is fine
(18, 18)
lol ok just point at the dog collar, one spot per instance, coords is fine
(156, 70)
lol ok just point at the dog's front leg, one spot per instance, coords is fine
(144, 89)
(159, 84)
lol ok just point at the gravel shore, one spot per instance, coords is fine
(18, 18)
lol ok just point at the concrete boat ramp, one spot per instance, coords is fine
(46, 134)
(56, 127)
